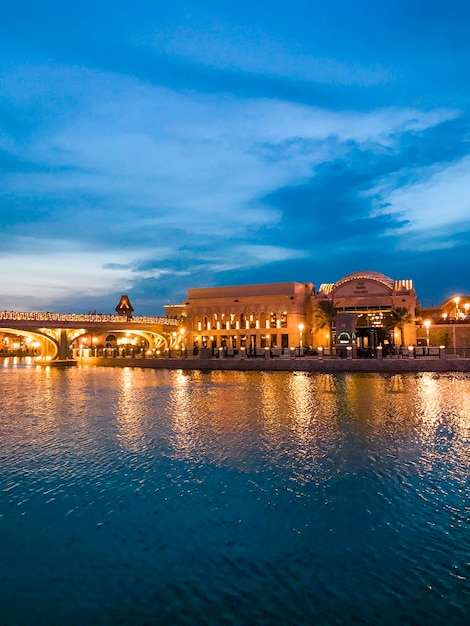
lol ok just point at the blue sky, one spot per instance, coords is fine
(154, 146)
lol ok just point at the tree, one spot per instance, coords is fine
(325, 314)
(445, 339)
(398, 317)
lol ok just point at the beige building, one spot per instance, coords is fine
(354, 311)
(363, 303)
(252, 317)
(446, 325)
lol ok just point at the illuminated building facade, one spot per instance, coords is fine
(252, 317)
(292, 315)
(446, 325)
(363, 304)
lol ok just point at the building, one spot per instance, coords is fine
(252, 317)
(446, 325)
(363, 309)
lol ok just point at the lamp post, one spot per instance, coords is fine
(182, 331)
(301, 328)
(427, 324)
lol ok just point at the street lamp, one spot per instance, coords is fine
(301, 328)
(427, 324)
(182, 331)
(457, 312)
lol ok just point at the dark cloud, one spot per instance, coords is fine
(330, 207)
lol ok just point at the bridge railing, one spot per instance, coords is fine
(39, 316)
(154, 320)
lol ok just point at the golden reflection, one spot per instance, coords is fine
(449, 396)
(429, 405)
(397, 384)
(184, 423)
(301, 401)
(221, 415)
(465, 414)
(326, 383)
(128, 417)
(273, 404)
(295, 408)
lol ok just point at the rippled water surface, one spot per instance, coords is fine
(134, 496)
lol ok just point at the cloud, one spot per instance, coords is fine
(49, 269)
(128, 183)
(435, 205)
(256, 52)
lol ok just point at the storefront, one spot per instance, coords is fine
(365, 310)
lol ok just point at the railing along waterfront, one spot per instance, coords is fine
(411, 352)
(35, 316)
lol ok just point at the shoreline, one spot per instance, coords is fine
(370, 366)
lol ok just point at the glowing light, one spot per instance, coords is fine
(301, 328)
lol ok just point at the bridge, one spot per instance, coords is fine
(56, 337)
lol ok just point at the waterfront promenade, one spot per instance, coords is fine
(303, 364)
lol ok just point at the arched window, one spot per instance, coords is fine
(284, 319)
(197, 323)
(263, 320)
(205, 323)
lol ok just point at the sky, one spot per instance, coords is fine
(160, 145)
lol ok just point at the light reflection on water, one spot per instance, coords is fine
(138, 496)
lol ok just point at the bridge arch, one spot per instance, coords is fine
(154, 340)
(57, 332)
(48, 345)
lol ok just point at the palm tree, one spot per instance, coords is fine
(325, 314)
(398, 317)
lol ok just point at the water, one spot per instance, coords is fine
(134, 496)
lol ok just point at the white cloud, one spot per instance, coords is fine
(48, 270)
(135, 157)
(200, 156)
(256, 53)
(434, 204)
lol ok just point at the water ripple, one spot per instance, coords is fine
(137, 496)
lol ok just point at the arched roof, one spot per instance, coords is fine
(366, 275)
(462, 300)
